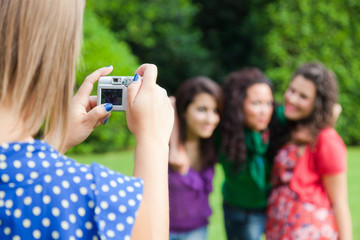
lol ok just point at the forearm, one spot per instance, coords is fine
(343, 221)
(151, 164)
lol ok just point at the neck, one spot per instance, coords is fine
(11, 128)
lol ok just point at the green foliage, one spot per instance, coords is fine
(101, 48)
(326, 31)
(160, 32)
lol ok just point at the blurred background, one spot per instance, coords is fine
(186, 38)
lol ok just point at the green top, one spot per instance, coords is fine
(248, 187)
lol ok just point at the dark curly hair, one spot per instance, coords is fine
(185, 95)
(233, 119)
(322, 114)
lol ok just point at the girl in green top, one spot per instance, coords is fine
(243, 142)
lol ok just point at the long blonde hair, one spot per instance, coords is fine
(39, 44)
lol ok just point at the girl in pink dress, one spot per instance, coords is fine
(309, 195)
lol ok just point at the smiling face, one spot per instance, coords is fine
(201, 116)
(258, 106)
(299, 98)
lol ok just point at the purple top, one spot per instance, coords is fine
(189, 199)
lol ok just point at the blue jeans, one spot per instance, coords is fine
(197, 234)
(242, 224)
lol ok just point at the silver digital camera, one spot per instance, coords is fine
(113, 89)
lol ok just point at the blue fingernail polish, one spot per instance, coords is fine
(108, 107)
(136, 77)
(109, 66)
(105, 121)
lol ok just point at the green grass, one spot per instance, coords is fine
(124, 162)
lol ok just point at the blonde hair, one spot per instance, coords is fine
(39, 44)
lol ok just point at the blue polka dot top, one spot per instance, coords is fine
(45, 195)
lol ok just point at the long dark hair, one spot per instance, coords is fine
(233, 120)
(185, 95)
(322, 114)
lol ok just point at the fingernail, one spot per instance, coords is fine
(105, 121)
(109, 66)
(108, 107)
(136, 77)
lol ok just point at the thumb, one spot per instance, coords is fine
(133, 89)
(98, 114)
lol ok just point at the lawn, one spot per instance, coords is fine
(124, 162)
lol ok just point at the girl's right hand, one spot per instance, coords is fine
(149, 113)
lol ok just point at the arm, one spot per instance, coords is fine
(336, 188)
(85, 115)
(150, 118)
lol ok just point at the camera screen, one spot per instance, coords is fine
(113, 96)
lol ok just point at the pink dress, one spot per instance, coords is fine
(289, 217)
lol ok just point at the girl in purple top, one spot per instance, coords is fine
(198, 103)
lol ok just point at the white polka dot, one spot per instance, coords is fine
(54, 156)
(36, 234)
(104, 205)
(81, 211)
(55, 211)
(45, 164)
(83, 169)
(97, 210)
(71, 170)
(120, 180)
(127, 178)
(38, 189)
(46, 199)
(30, 181)
(72, 218)
(30, 148)
(17, 164)
(59, 172)
(29, 154)
(17, 147)
(111, 216)
(46, 222)
(56, 190)
(113, 198)
(3, 165)
(130, 220)
(7, 231)
(65, 203)
(103, 174)
(17, 213)
(102, 224)
(120, 227)
(89, 176)
(16, 237)
(34, 175)
(59, 164)
(127, 237)
(73, 197)
(64, 225)
(137, 184)
(48, 178)
(76, 179)
(5, 145)
(122, 208)
(105, 188)
(36, 211)
(131, 202)
(26, 223)
(55, 235)
(5, 178)
(19, 192)
(19, 177)
(1, 203)
(41, 155)
(122, 193)
(79, 233)
(130, 189)
(110, 233)
(91, 204)
(83, 190)
(88, 225)
(8, 212)
(8, 203)
(72, 238)
(65, 184)
(31, 164)
(2, 194)
(139, 196)
(92, 186)
(27, 200)
(11, 185)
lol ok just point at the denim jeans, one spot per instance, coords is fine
(197, 234)
(243, 224)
